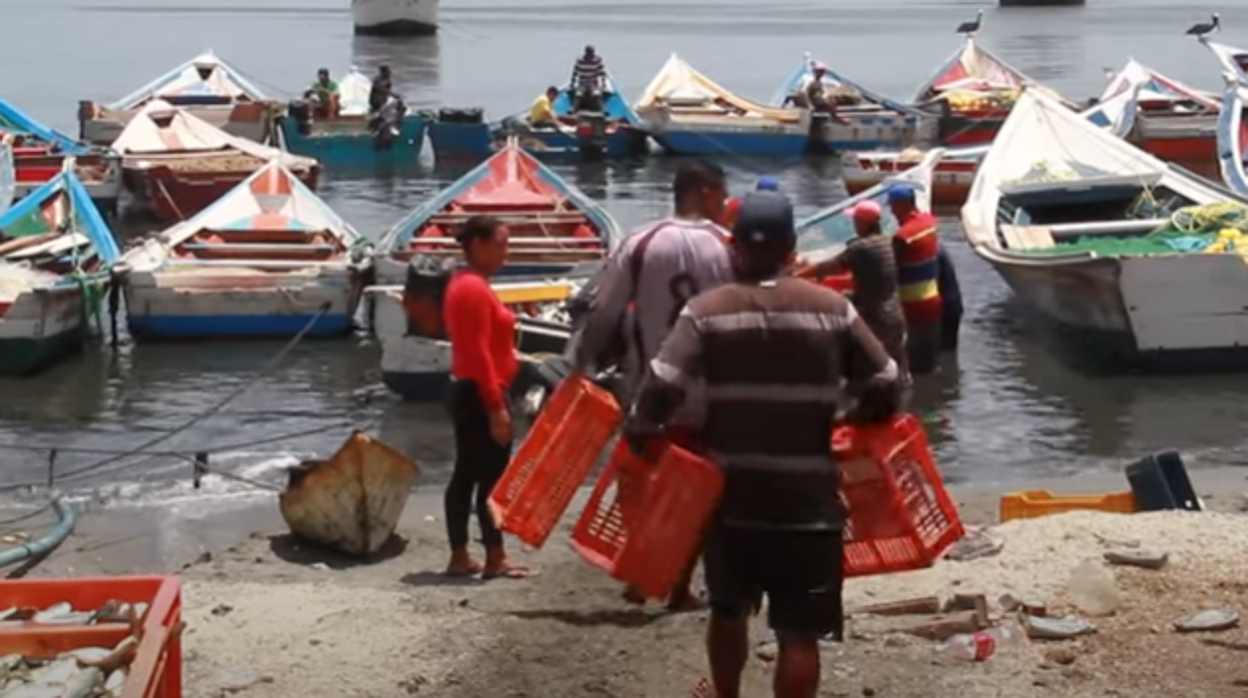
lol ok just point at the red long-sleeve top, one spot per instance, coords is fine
(483, 336)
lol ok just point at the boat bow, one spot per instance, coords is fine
(204, 79)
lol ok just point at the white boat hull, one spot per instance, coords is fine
(187, 305)
(40, 326)
(395, 17)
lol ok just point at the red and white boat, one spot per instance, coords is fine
(178, 164)
(40, 154)
(1175, 122)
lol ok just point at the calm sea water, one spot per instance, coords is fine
(1007, 410)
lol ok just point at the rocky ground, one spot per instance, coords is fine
(268, 616)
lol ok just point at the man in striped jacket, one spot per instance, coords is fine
(589, 81)
(774, 356)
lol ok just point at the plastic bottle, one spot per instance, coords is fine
(977, 647)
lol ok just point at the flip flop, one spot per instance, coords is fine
(471, 571)
(510, 572)
(704, 689)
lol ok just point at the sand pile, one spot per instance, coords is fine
(307, 639)
(1040, 555)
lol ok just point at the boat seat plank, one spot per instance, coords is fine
(1027, 237)
(258, 247)
(540, 240)
(1125, 227)
(514, 217)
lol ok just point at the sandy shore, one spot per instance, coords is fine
(270, 617)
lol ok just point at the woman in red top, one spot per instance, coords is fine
(483, 365)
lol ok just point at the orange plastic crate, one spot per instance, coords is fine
(157, 668)
(645, 519)
(555, 459)
(1036, 503)
(899, 515)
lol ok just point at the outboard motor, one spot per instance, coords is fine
(423, 295)
(591, 123)
(387, 123)
(301, 111)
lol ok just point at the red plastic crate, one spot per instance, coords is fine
(899, 515)
(555, 459)
(157, 668)
(645, 519)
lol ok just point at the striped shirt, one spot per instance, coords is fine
(876, 296)
(775, 360)
(589, 73)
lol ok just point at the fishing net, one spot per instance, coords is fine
(1217, 227)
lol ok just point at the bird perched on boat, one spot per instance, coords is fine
(1200, 30)
(969, 28)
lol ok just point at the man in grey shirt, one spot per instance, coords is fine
(646, 283)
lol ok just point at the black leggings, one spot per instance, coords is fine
(479, 463)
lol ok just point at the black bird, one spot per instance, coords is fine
(1206, 27)
(969, 28)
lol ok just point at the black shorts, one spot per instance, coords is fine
(801, 572)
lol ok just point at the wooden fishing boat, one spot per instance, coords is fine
(352, 501)
(973, 92)
(269, 259)
(874, 121)
(1233, 135)
(1174, 122)
(349, 139)
(176, 164)
(953, 175)
(55, 250)
(615, 132)
(207, 86)
(555, 228)
(40, 152)
(415, 356)
(1234, 60)
(1099, 236)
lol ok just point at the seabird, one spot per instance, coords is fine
(969, 28)
(1206, 27)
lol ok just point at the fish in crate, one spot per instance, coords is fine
(352, 501)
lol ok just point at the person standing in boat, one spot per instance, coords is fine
(917, 246)
(589, 81)
(643, 288)
(777, 356)
(382, 89)
(483, 365)
(871, 260)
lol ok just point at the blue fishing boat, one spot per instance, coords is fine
(872, 120)
(555, 228)
(351, 138)
(40, 153)
(613, 133)
(55, 254)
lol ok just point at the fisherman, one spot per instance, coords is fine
(542, 113)
(917, 246)
(656, 271)
(765, 183)
(813, 93)
(324, 92)
(483, 365)
(381, 91)
(589, 81)
(870, 258)
(950, 301)
(773, 353)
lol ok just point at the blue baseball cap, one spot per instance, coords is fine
(766, 217)
(900, 193)
(767, 183)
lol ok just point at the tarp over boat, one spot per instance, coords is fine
(17, 122)
(162, 128)
(272, 198)
(679, 84)
(61, 205)
(836, 82)
(510, 177)
(1153, 87)
(1043, 143)
(205, 77)
(353, 91)
(972, 68)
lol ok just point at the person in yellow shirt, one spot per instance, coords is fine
(542, 113)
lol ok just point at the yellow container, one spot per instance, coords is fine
(1034, 504)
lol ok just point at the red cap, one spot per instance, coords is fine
(866, 212)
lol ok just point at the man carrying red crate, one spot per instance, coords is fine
(773, 353)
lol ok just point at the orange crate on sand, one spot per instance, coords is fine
(899, 515)
(554, 460)
(156, 671)
(1036, 503)
(652, 526)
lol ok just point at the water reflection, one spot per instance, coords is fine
(415, 64)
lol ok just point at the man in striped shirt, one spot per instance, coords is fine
(589, 80)
(775, 355)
